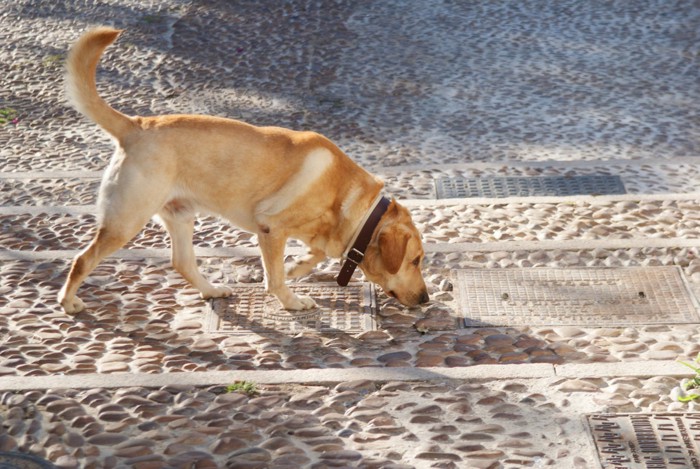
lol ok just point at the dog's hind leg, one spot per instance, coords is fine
(126, 202)
(180, 226)
(109, 238)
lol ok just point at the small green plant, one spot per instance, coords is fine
(53, 60)
(152, 19)
(243, 387)
(690, 388)
(8, 115)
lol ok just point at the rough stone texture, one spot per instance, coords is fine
(413, 92)
(392, 83)
(521, 221)
(531, 421)
(402, 182)
(142, 317)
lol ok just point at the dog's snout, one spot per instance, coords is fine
(424, 298)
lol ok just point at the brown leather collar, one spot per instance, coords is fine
(356, 253)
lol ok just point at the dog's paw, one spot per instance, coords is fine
(300, 303)
(308, 303)
(217, 292)
(72, 306)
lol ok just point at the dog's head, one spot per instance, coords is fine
(394, 257)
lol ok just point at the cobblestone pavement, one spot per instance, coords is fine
(414, 92)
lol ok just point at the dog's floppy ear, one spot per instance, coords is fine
(392, 247)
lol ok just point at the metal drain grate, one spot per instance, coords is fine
(250, 309)
(12, 460)
(502, 186)
(642, 441)
(584, 297)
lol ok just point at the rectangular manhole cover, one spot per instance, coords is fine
(577, 296)
(523, 186)
(643, 441)
(251, 309)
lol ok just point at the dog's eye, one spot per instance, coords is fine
(416, 261)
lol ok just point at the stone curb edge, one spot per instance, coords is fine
(496, 246)
(552, 199)
(421, 203)
(336, 375)
(566, 164)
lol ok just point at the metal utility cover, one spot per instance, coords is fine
(523, 186)
(251, 309)
(579, 296)
(642, 441)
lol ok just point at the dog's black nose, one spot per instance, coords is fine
(424, 298)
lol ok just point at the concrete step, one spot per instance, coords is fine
(647, 176)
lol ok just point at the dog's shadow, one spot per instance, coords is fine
(144, 314)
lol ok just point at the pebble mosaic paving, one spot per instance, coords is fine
(504, 424)
(142, 317)
(593, 297)
(52, 191)
(250, 309)
(17, 460)
(65, 228)
(394, 84)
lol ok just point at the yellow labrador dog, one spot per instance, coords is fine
(274, 182)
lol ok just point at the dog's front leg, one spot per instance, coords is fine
(272, 247)
(306, 264)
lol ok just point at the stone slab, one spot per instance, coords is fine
(250, 309)
(498, 246)
(575, 296)
(641, 441)
(307, 376)
(523, 186)
(334, 375)
(622, 369)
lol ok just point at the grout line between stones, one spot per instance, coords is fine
(80, 209)
(567, 245)
(676, 161)
(47, 209)
(8, 255)
(685, 160)
(335, 375)
(552, 199)
(411, 168)
(497, 246)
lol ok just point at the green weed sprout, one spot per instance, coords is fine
(244, 387)
(687, 385)
(7, 116)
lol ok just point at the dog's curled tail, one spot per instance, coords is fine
(80, 82)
